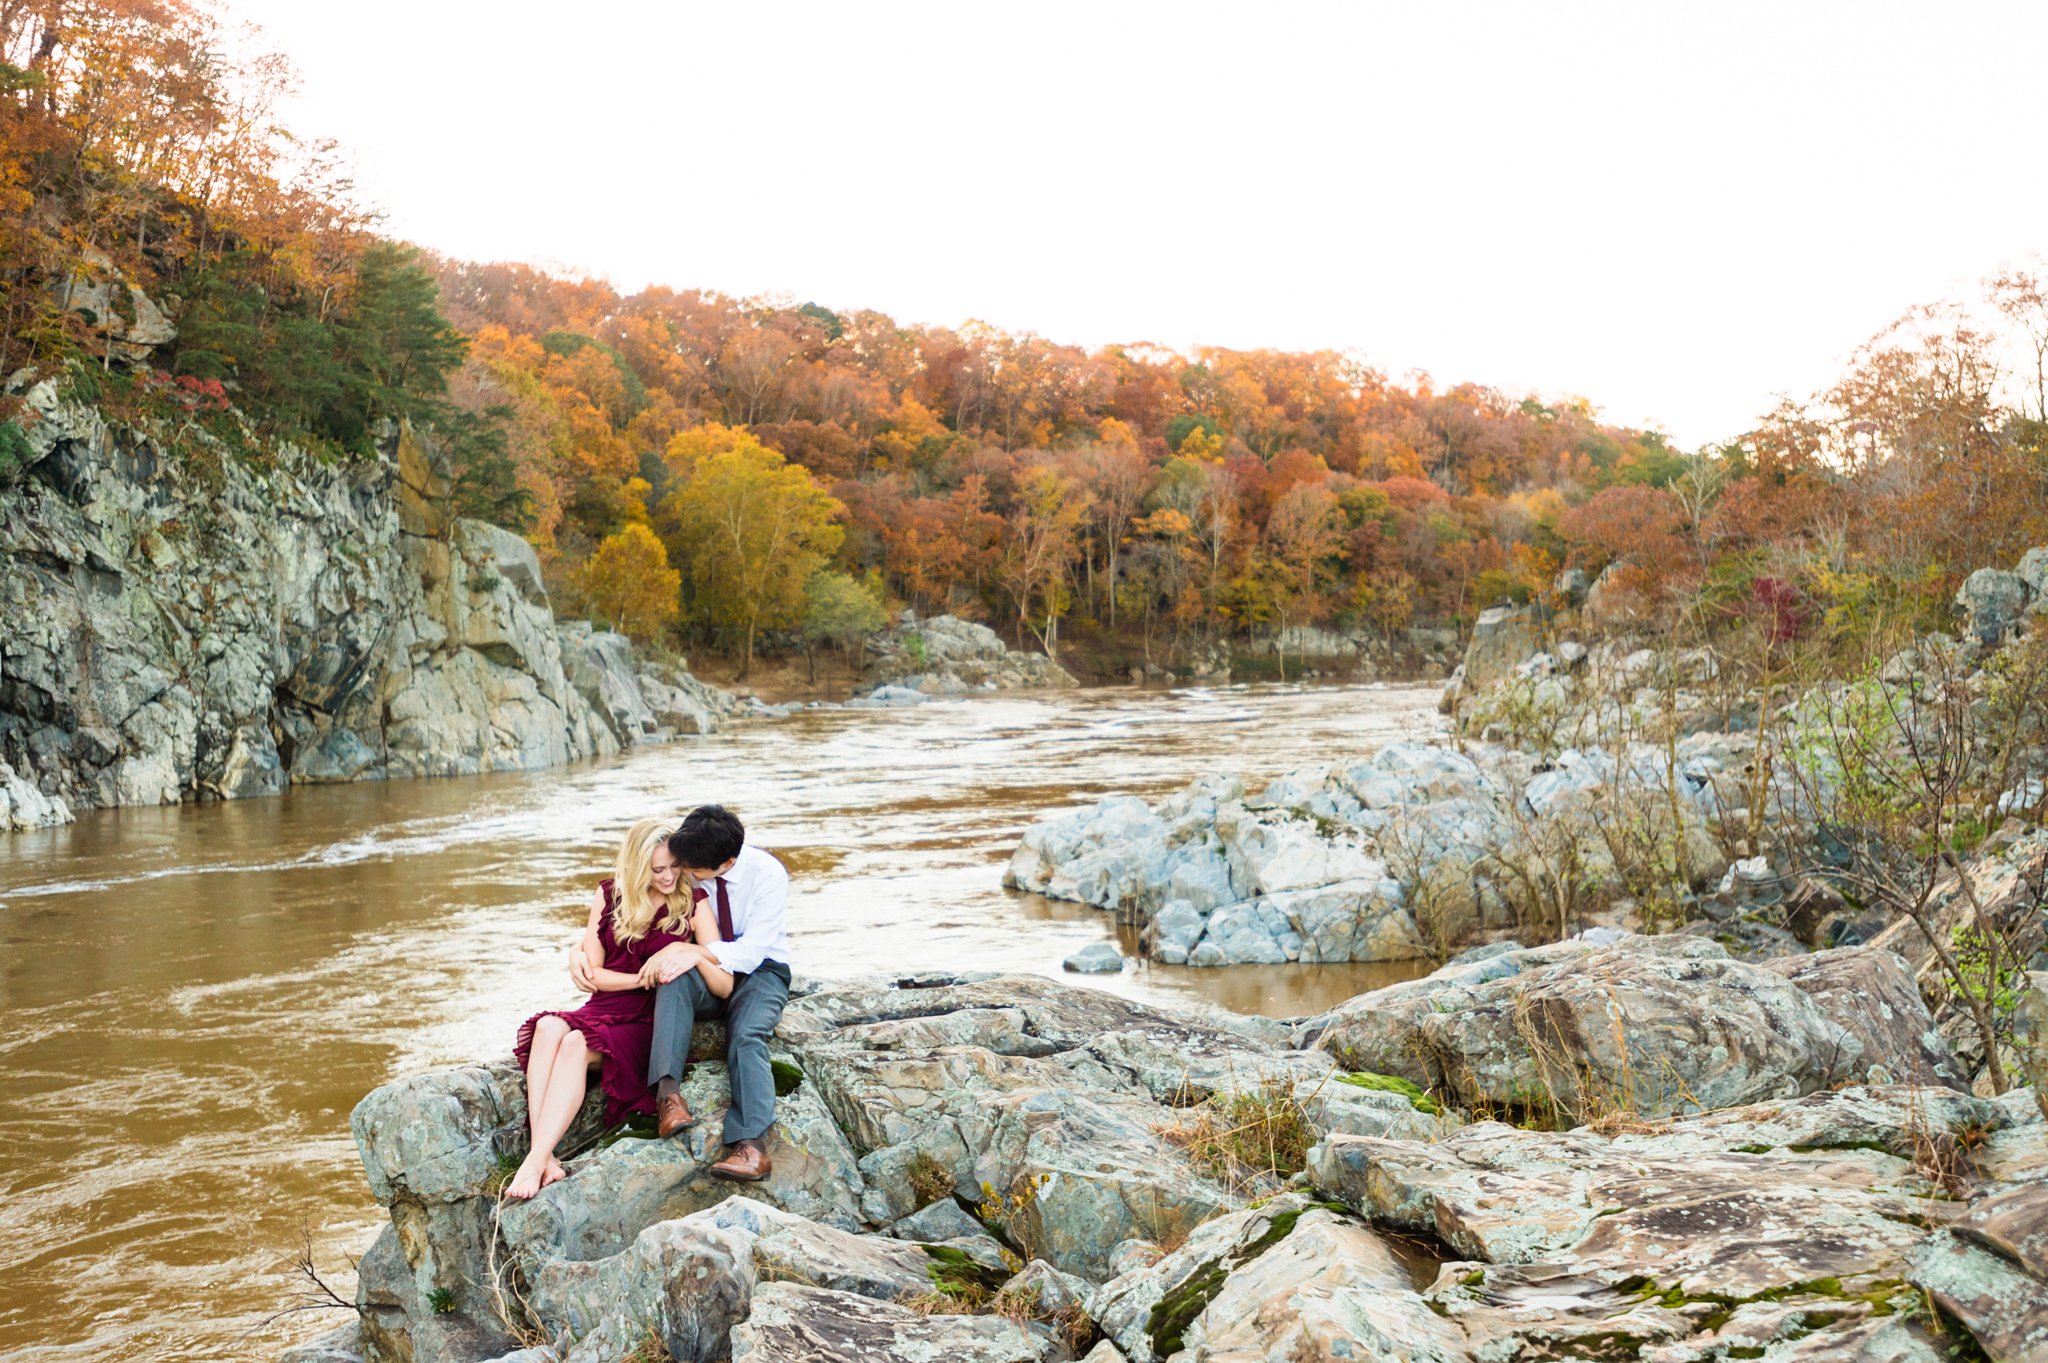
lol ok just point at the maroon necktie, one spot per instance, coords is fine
(725, 932)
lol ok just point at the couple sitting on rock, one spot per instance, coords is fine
(655, 958)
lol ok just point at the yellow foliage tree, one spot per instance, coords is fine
(688, 448)
(750, 529)
(630, 584)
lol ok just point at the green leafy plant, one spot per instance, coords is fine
(14, 451)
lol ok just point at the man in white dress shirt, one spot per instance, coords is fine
(749, 892)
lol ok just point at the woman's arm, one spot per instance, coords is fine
(586, 960)
(587, 956)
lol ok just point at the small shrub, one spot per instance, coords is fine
(442, 1300)
(1024, 1306)
(961, 1287)
(502, 1170)
(14, 452)
(1004, 1210)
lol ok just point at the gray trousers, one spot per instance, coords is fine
(750, 1016)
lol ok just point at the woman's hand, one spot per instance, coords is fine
(671, 962)
(579, 969)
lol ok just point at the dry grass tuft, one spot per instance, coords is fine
(1071, 1322)
(1626, 1124)
(1251, 1140)
(651, 1348)
(929, 1179)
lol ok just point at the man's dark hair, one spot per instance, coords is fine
(710, 836)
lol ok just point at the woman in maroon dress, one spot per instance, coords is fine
(613, 1032)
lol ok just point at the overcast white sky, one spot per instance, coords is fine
(1677, 212)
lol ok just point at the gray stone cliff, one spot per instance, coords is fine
(179, 625)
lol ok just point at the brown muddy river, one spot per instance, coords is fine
(194, 998)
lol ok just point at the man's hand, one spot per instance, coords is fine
(671, 962)
(579, 969)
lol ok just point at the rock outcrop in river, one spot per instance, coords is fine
(1412, 852)
(1000, 1168)
(200, 625)
(944, 656)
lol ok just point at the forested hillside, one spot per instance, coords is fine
(716, 470)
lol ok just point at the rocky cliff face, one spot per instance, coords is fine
(184, 625)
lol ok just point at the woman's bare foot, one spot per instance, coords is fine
(528, 1180)
(555, 1172)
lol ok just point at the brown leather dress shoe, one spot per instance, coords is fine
(747, 1163)
(673, 1114)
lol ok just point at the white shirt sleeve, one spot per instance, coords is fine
(760, 902)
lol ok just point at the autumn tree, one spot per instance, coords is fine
(843, 611)
(751, 530)
(1304, 535)
(1637, 533)
(630, 586)
(1040, 549)
(1117, 477)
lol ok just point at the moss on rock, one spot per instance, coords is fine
(1389, 1083)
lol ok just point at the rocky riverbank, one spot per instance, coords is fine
(1586, 782)
(1714, 1159)
(203, 626)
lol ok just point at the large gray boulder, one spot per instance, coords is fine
(1038, 1105)
(1414, 851)
(1805, 1228)
(638, 699)
(22, 806)
(1992, 601)
(98, 294)
(689, 1281)
(1648, 1025)
(1047, 1110)
(795, 1324)
(1290, 1280)
(1502, 637)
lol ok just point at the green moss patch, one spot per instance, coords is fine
(1177, 1309)
(788, 1078)
(958, 1275)
(1879, 1146)
(1388, 1083)
(1883, 1297)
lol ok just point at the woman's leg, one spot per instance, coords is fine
(562, 1096)
(540, 1063)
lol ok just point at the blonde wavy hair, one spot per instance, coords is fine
(633, 907)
